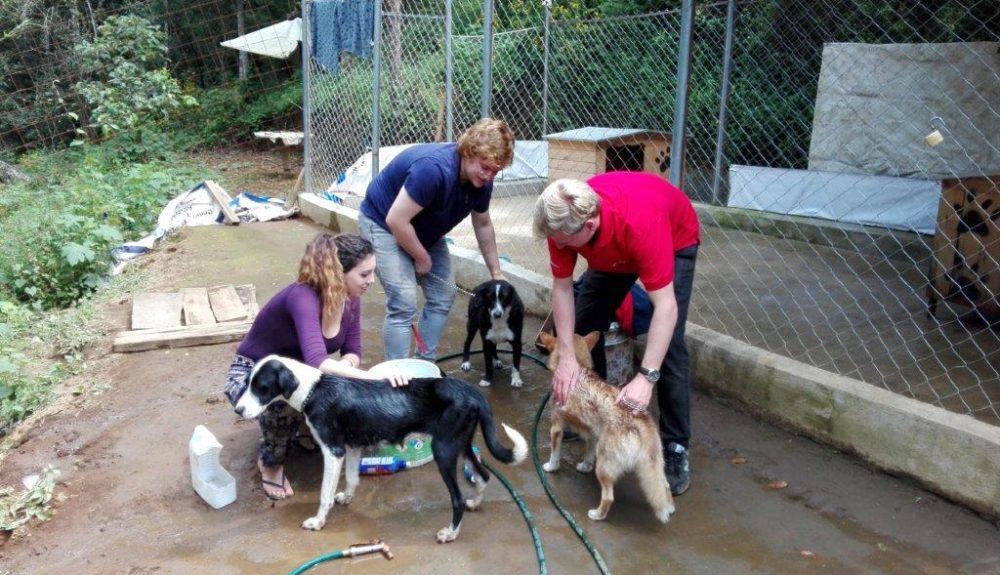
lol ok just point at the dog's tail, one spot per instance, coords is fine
(509, 456)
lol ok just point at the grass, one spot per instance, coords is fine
(39, 349)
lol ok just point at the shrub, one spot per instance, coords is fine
(128, 84)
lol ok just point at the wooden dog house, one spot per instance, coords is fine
(585, 152)
(966, 263)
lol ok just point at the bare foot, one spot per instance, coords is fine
(273, 481)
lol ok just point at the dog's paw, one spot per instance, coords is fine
(484, 383)
(596, 515)
(585, 466)
(550, 466)
(314, 523)
(473, 504)
(447, 535)
(515, 380)
(466, 365)
(343, 498)
(663, 515)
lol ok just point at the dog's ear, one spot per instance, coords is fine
(591, 339)
(287, 381)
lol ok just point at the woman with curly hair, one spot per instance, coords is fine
(309, 320)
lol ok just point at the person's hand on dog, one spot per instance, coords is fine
(397, 378)
(635, 395)
(564, 378)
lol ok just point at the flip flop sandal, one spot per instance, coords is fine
(281, 486)
(305, 442)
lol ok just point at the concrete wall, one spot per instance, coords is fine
(950, 454)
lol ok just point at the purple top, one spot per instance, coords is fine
(289, 325)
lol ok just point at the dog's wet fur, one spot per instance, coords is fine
(617, 441)
(496, 313)
(346, 415)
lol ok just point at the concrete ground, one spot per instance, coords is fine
(128, 505)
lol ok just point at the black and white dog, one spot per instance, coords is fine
(497, 314)
(346, 414)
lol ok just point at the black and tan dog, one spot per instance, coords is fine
(347, 414)
(617, 441)
(496, 313)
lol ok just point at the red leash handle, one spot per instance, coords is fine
(421, 345)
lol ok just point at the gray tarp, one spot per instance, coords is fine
(875, 105)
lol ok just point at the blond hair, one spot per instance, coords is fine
(322, 268)
(564, 206)
(490, 140)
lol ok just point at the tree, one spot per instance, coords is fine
(128, 84)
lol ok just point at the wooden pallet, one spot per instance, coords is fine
(188, 317)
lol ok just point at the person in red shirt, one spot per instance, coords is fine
(628, 226)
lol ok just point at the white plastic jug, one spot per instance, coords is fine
(213, 483)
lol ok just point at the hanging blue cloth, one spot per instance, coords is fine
(341, 26)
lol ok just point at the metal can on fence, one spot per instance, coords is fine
(619, 349)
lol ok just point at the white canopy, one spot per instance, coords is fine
(277, 41)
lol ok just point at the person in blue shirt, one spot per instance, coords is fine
(408, 208)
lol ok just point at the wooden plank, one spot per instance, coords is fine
(571, 154)
(575, 155)
(156, 310)
(184, 336)
(575, 166)
(575, 175)
(222, 198)
(226, 304)
(197, 308)
(248, 295)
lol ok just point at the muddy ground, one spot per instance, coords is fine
(126, 503)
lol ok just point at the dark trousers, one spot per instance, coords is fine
(600, 294)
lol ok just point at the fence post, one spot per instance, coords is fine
(681, 98)
(727, 63)
(448, 75)
(545, 70)
(484, 110)
(376, 85)
(306, 88)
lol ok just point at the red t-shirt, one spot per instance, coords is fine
(644, 220)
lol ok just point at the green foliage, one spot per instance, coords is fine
(17, 509)
(127, 82)
(233, 113)
(40, 349)
(21, 390)
(64, 258)
(59, 229)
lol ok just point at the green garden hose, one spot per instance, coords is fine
(373, 546)
(314, 562)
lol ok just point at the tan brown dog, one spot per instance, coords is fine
(617, 441)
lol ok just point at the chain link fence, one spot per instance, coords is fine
(844, 155)
(833, 232)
